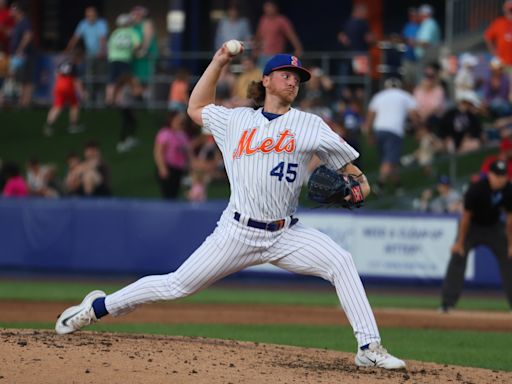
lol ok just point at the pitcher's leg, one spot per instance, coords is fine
(216, 258)
(307, 251)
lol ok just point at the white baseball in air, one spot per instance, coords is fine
(234, 47)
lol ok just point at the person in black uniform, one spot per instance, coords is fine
(481, 224)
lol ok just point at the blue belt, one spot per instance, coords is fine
(272, 226)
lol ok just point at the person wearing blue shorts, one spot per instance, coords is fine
(385, 126)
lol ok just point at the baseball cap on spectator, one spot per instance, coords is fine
(496, 63)
(285, 61)
(499, 167)
(123, 20)
(444, 179)
(426, 9)
(468, 60)
(469, 96)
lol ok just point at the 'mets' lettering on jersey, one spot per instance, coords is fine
(284, 143)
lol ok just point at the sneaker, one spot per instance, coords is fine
(128, 144)
(445, 308)
(377, 356)
(78, 316)
(48, 130)
(76, 128)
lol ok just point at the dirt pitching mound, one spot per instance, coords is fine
(28, 356)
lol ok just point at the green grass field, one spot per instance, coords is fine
(468, 348)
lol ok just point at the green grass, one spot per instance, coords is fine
(72, 291)
(133, 173)
(467, 348)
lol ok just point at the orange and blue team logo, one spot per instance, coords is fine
(284, 143)
(295, 61)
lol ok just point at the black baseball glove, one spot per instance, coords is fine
(326, 186)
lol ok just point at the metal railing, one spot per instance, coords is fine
(158, 85)
(469, 18)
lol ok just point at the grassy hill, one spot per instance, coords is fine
(133, 173)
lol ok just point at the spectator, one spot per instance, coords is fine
(125, 104)
(273, 32)
(504, 154)
(41, 179)
(387, 115)
(409, 33)
(355, 39)
(431, 99)
(146, 55)
(93, 31)
(96, 172)
(460, 127)
(225, 85)
(317, 91)
(73, 179)
(171, 155)
(349, 114)
(496, 91)
(23, 57)
(465, 78)
(428, 38)
(6, 24)
(15, 185)
(249, 73)
(498, 36)
(484, 204)
(122, 44)
(179, 91)
(205, 165)
(448, 199)
(232, 26)
(428, 145)
(66, 90)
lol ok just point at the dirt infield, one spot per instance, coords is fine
(28, 356)
(183, 313)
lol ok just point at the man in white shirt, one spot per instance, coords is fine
(385, 126)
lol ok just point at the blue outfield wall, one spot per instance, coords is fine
(136, 237)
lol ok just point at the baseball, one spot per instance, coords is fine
(234, 47)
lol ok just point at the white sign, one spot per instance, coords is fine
(392, 246)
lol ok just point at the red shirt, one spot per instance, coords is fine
(273, 32)
(500, 33)
(6, 23)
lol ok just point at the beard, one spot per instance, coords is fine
(287, 95)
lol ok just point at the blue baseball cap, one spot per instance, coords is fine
(285, 61)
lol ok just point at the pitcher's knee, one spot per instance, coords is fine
(341, 265)
(176, 288)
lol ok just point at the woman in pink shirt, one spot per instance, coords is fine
(15, 185)
(430, 98)
(171, 155)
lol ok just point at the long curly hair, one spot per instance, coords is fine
(256, 93)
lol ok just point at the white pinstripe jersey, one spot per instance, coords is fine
(266, 161)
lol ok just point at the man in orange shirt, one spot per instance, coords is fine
(498, 36)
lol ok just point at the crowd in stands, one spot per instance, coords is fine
(448, 111)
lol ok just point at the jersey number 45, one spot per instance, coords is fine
(279, 171)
